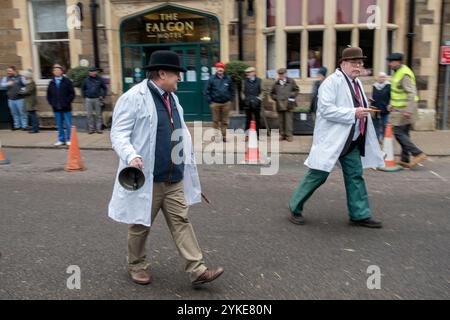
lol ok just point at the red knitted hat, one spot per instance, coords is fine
(220, 65)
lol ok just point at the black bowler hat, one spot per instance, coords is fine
(165, 60)
(93, 69)
(395, 56)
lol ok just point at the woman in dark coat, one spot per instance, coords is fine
(381, 96)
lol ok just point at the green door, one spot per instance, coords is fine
(189, 88)
(197, 59)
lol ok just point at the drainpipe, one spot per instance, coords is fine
(240, 33)
(439, 104)
(412, 15)
(93, 6)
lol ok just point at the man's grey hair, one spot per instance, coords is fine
(153, 75)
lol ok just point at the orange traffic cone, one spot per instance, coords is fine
(388, 147)
(74, 161)
(252, 154)
(3, 159)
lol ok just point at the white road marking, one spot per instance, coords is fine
(442, 178)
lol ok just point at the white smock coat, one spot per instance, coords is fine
(335, 117)
(133, 133)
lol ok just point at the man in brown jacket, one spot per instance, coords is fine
(283, 93)
(403, 108)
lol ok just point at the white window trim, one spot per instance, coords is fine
(36, 64)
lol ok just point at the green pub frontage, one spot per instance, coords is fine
(192, 35)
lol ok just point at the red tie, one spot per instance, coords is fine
(167, 100)
(362, 124)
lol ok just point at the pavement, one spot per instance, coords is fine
(433, 143)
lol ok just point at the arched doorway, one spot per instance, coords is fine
(193, 35)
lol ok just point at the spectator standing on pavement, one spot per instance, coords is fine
(60, 94)
(381, 95)
(403, 109)
(343, 132)
(144, 119)
(94, 91)
(284, 91)
(321, 74)
(29, 93)
(219, 92)
(252, 96)
(14, 83)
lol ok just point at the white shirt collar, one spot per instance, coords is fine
(161, 91)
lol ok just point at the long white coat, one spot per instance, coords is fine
(133, 133)
(335, 117)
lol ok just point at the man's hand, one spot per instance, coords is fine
(407, 115)
(137, 162)
(361, 113)
(389, 108)
(10, 83)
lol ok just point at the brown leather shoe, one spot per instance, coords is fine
(404, 164)
(415, 160)
(140, 276)
(208, 276)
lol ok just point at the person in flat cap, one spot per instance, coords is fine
(29, 92)
(145, 121)
(321, 75)
(403, 107)
(60, 95)
(251, 94)
(219, 92)
(93, 90)
(343, 132)
(284, 92)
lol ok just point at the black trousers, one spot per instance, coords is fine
(408, 147)
(256, 113)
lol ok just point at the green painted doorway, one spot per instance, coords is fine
(192, 35)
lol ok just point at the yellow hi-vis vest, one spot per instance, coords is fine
(399, 97)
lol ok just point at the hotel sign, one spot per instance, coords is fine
(169, 27)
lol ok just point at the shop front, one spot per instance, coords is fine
(193, 35)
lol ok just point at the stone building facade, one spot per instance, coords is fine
(276, 33)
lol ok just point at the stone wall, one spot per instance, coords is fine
(426, 45)
(9, 36)
(441, 89)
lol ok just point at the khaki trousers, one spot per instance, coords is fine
(220, 116)
(286, 121)
(170, 199)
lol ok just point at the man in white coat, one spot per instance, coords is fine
(147, 128)
(343, 132)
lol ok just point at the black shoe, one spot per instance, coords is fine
(296, 218)
(33, 131)
(91, 132)
(100, 132)
(368, 223)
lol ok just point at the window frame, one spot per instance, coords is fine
(37, 73)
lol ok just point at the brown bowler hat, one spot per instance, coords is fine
(352, 53)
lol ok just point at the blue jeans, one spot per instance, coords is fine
(34, 121)
(61, 118)
(384, 121)
(17, 109)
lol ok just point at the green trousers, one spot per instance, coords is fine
(355, 187)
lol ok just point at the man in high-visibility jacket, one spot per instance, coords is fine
(403, 107)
